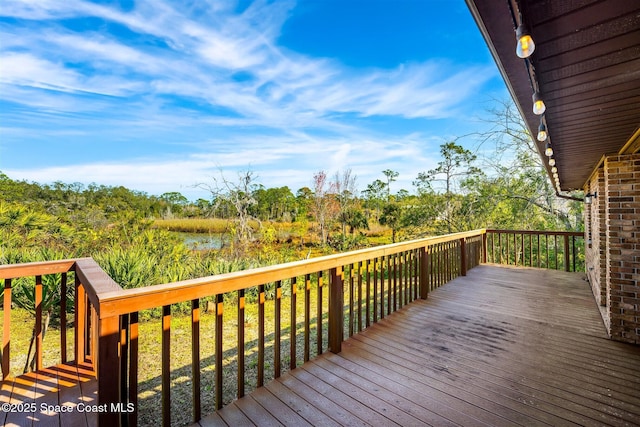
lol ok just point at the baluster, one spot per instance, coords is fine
(395, 282)
(195, 358)
(261, 298)
(566, 253)
(307, 316)
(375, 290)
(166, 365)
(368, 291)
(38, 331)
(240, 342)
(63, 318)
(350, 281)
(219, 348)
(319, 314)
(389, 285)
(6, 330)
(277, 329)
(382, 296)
(359, 311)
(292, 340)
(573, 252)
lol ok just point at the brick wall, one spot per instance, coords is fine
(622, 211)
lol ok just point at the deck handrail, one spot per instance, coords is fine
(377, 280)
(135, 299)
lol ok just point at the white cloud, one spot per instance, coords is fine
(212, 79)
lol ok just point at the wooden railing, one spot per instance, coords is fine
(87, 281)
(340, 295)
(558, 250)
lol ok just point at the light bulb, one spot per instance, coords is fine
(542, 132)
(548, 151)
(554, 170)
(525, 46)
(552, 162)
(538, 104)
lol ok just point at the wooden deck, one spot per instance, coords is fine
(37, 399)
(502, 346)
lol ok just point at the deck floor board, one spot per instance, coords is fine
(502, 346)
(48, 389)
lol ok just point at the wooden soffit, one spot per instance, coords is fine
(586, 65)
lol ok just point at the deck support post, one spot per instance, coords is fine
(336, 303)
(80, 322)
(109, 369)
(484, 247)
(424, 272)
(463, 257)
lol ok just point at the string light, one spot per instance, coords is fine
(542, 132)
(525, 46)
(524, 49)
(538, 104)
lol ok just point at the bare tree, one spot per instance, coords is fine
(344, 185)
(323, 203)
(516, 158)
(238, 194)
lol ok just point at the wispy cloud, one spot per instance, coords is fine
(204, 75)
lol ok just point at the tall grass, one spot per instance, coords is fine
(195, 225)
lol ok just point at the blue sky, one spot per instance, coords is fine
(161, 95)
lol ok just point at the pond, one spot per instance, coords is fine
(201, 241)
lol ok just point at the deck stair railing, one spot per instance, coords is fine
(335, 296)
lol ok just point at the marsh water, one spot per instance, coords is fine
(201, 241)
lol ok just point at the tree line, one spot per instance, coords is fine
(500, 184)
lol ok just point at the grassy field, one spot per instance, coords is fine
(376, 234)
(212, 225)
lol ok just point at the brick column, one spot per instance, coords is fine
(622, 207)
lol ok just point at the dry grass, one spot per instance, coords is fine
(195, 225)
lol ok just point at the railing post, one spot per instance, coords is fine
(336, 303)
(109, 369)
(424, 273)
(566, 253)
(484, 246)
(463, 257)
(80, 322)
